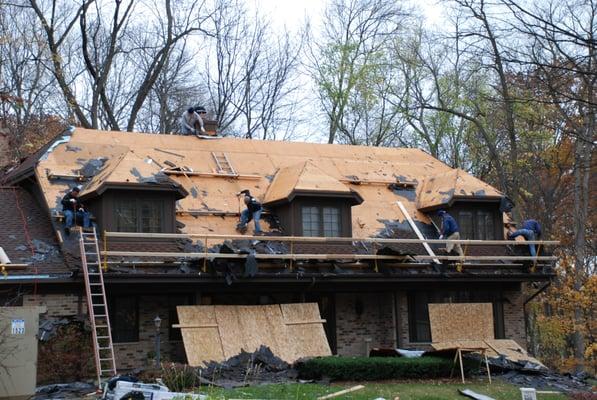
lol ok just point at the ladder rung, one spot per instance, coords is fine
(95, 284)
(97, 294)
(106, 359)
(100, 315)
(101, 326)
(104, 348)
(103, 337)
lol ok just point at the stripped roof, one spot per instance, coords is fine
(262, 166)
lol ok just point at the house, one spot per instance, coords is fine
(156, 198)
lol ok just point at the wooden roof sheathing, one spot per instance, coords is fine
(461, 321)
(441, 189)
(304, 176)
(323, 167)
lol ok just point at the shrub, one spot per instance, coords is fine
(375, 368)
(179, 377)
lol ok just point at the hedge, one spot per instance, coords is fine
(375, 368)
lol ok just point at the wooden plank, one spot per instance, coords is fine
(309, 338)
(341, 392)
(179, 326)
(318, 256)
(279, 333)
(417, 231)
(200, 345)
(315, 321)
(255, 327)
(319, 239)
(232, 336)
(461, 321)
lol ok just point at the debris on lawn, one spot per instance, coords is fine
(261, 366)
(73, 390)
(473, 395)
(545, 380)
(341, 392)
(124, 389)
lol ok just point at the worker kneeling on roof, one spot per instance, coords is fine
(252, 212)
(74, 210)
(450, 231)
(531, 230)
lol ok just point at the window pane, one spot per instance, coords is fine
(418, 317)
(125, 215)
(124, 318)
(485, 229)
(331, 221)
(151, 215)
(311, 221)
(465, 220)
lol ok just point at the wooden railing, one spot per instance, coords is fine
(376, 243)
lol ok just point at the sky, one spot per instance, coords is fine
(291, 13)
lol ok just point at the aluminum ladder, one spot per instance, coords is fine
(103, 348)
(223, 164)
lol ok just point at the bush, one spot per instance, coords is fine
(375, 368)
(179, 377)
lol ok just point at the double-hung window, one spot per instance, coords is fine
(321, 221)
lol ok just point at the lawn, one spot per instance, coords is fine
(432, 390)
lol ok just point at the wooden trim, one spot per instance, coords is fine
(325, 239)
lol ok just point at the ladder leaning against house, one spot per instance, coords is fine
(103, 348)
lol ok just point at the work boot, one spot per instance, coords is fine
(67, 231)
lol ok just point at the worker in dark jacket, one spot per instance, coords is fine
(450, 231)
(252, 212)
(72, 209)
(530, 230)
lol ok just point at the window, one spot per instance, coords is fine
(418, 310)
(173, 301)
(321, 221)
(465, 220)
(124, 318)
(476, 225)
(138, 215)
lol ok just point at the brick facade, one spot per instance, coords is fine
(128, 355)
(363, 317)
(514, 319)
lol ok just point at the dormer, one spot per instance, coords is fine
(131, 194)
(309, 202)
(472, 202)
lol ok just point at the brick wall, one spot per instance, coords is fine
(128, 355)
(361, 316)
(135, 354)
(514, 321)
(58, 305)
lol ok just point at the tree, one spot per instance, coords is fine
(351, 61)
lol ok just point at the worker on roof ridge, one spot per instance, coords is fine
(252, 212)
(191, 121)
(450, 231)
(530, 230)
(72, 208)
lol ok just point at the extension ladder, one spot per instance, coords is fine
(103, 349)
(223, 164)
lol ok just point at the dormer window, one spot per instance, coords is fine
(139, 215)
(321, 221)
(309, 202)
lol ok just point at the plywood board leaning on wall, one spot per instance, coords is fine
(461, 321)
(216, 333)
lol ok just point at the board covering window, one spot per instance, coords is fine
(139, 215)
(321, 221)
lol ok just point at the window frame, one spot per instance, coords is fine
(321, 229)
(138, 217)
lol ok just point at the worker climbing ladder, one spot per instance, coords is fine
(105, 362)
(223, 164)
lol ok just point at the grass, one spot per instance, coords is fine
(430, 390)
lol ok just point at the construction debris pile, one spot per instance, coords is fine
(546, 379)
(261, 366)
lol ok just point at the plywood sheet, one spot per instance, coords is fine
(309, 337)
(461, 321)
(248, 327)
(206, 339)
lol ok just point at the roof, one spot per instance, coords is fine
(271, 170)
(306, 177)
(440, 190)
(27, 236)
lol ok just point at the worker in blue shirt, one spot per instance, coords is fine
(530, 230)
(450, 231)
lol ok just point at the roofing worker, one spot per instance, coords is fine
(450, 231)
(531, 230)
(252, 212)
(190, 120)
(72, 209)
